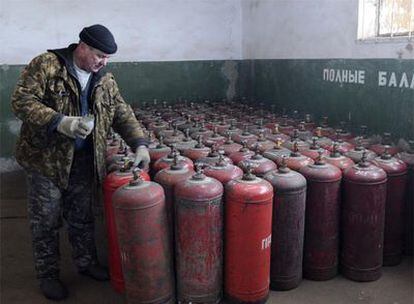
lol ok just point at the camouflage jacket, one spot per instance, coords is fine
(48, 89)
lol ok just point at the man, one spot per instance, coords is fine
(68, 104)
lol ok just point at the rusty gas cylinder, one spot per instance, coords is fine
(167, 161)
(112, 146)
(213, 157)
(286, 126)
(287, 227)
(379, 148)
(223, 171)
(242, 154)
(313, 150)
(394, 206)
(214, 139)
(321, 247)
(158, 126)
(295, 160)
(356, 153)
(362, 225)
(342, 146)
(248, 212)
(168, 178)
(175, 137)
(199, 239)
(198, 151)
(111, 183)
(263, 144)
(160, 151)
(202, 131)
(186, 143)
(303, 133)
(277, 152)
(277, 135)
(245, 136)
(309, 124)
(408, 158)
(230, 146)
(362, 139)
(338, 160)
(260, 165)
(302, 145)
(142, 229)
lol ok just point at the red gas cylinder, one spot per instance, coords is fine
(157, 126)
(223, 171)
(309, 124)
(260, 165)
(142, 228)
(295, 160)
(159, 151)
(408, 158)
(230, 146)
(175, 137)
(356, 153)
(362, 225)
(342, 146)
(111, 183)
(213, 157)
(263, 144)
(167, 161)
(302, 145)
(199, 239)
(394, 206)
(245, 136)
(313, 150)
(202, 131)
(242, 154)
(303, 133)
(362, 139)
(215, 139)
(277, 135)
(338, 160)
(379, 149)
(186, 143)
(248, 234)
(326, 131)
(343, 134)
(168, 178)
(285, 127)
(112, 146)
(198, 151)
(321, 247)
(287, 228)
(277, 152)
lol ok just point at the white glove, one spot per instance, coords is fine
(76, 126)
(142, 157)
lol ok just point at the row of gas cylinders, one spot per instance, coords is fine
(169, 234)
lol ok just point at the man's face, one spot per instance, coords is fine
(94, 59)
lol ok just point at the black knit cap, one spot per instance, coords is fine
(99, 37)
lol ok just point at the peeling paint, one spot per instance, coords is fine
(229, 69)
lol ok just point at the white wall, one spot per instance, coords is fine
(282, 29)
(145, 30)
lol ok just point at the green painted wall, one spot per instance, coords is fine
(300, 85)
(143, 81)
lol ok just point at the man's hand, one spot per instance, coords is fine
(74, 126)
(142, 157)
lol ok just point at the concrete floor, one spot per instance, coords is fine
(18, 284)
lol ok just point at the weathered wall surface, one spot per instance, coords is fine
(307, 29)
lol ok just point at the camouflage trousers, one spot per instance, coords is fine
(48, 204)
